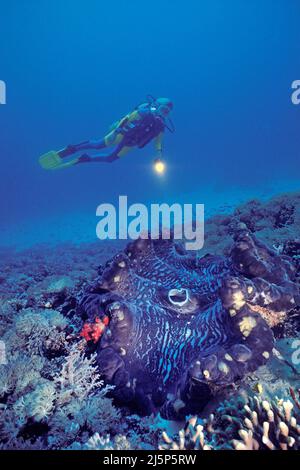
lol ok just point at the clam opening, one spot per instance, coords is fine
(178, 297)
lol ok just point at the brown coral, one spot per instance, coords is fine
(191, 437)
(269, 426)
(259, 425)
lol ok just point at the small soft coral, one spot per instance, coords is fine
(10, 425)
(98, 442)
(38, 404)
(40, 331)
(20, 375)
(78, 418)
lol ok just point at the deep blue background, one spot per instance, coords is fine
(72, 67)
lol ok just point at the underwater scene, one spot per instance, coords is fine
(150, 225)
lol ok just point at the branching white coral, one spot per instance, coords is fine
(78, 378)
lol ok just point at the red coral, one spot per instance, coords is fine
(93, 331)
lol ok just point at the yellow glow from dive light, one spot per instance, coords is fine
(159, 167)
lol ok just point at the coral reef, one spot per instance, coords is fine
(257, 425)
(275, 222)
(52, 394)
(51, 413)
(189, 438)
(97, 442)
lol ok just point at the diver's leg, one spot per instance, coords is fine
(113, 138)
(85, 158)
(120, 151)
(86, 145)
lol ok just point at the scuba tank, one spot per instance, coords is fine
(140, 133)
(148, 132)
(152, 105)
(113, 126)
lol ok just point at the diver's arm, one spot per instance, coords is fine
(158, 142)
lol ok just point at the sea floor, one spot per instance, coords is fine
(78, 227)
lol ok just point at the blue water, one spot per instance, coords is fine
(73, 67)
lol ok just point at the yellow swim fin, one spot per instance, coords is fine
(52, 161)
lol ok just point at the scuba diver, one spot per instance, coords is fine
(145, 123)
